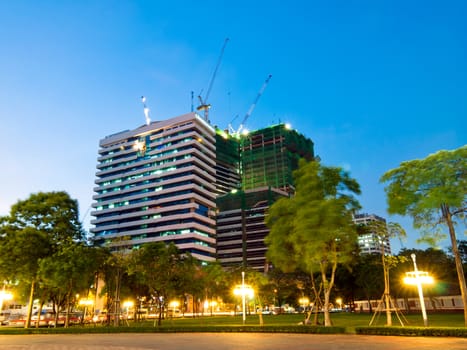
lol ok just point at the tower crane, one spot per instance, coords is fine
(204, 105)
(253, 105)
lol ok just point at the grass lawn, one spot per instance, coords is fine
(275, 323)
(347, 320)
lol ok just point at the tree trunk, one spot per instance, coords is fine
(327, 292)
(327, 316)
(317, 303)
(260, 306)
(387, 296)
(457, 258)
(27, 324)
(118, 279)
(39, 313)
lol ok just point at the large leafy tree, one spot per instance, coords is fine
(158, 266)
(36, 228)
(433, 191)
(215, 281)
(314, 230)
(68, 272)
(369, 277)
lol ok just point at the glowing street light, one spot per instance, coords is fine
(418, 278)
(304, 302)
(173, 305)
(86, 303)
(4, 296)
(339, 302)
(244, 291)
(128, 304)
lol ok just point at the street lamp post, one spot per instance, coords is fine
(243, 297)
(244, 290)
(85, 303)
(418, 277)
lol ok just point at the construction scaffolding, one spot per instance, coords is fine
(227, 162)
(269, 156)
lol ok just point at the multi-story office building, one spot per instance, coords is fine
(370, 242)
(241, 227)
(157, 183)
(268, 158)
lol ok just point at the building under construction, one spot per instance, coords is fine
(227, 162)
(270, 155)
(267, 159)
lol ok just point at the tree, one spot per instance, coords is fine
(216, 284)
(369, 277)
(314, 230)
(20, 253)
(68, 272)
(385, 231)
(157, 265)
(260, 283)
(462, 246)
(36, 228)
(433, 191)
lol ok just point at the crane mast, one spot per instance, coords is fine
(204, 105)
(253, 105)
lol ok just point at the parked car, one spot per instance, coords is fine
(46, 319)
(4, 316)
(16, 320)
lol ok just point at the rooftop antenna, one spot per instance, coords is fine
(192, 106)
(146, 110)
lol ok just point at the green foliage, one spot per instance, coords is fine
(433, 191)
(53, 213)
(216, 281)
(314, 230)
(35, 236)
(20, 252)
(437, 263)
(421, 188)
(413, 331)
(443, 325)
(164, 271)
(35, 229)
(314, 227)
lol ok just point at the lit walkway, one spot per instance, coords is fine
(226, 341)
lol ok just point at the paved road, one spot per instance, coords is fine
(225, 341)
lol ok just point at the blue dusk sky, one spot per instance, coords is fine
(372, 83)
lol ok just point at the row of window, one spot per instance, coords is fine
(145, 174)
(152, 156)
(153, 225)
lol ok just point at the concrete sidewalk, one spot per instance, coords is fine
(225, 341)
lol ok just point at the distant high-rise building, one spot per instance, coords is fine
(157, 183)
(370, 242)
